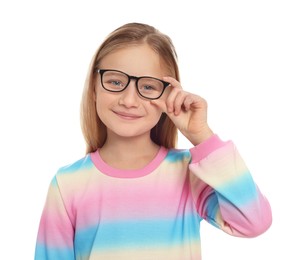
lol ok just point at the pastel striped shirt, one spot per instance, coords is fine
(94, 211)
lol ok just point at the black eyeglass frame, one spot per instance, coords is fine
(102, 71)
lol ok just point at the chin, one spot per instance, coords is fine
(127, 132)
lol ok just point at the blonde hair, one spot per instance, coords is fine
(94, 131)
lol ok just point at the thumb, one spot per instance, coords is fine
(161, 104)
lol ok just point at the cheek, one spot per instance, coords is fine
(98, 107)
(100, 104)
(156, 113)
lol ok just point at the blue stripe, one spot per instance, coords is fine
(178, 155)
(239, 191)
(212, 209)
(137, 234)
(84, 163)
(54, 182)
(48, 253)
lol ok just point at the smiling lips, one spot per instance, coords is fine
(127, 116)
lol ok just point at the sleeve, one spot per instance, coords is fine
(56, 231)
(224, 191)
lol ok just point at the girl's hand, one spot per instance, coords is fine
(187, 111)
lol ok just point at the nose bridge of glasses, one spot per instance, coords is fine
(134, 78)
(131, 90)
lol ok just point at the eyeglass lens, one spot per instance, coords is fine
(147, 87)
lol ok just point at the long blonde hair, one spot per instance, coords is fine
(94, 131)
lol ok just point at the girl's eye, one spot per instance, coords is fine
(148, 87)
(117, 83)
(114, 84)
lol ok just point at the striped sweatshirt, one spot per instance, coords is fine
(94, 211)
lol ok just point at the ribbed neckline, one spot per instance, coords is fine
(106, 169)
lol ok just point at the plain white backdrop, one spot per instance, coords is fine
(236, 54)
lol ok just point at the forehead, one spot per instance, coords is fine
(136, 60)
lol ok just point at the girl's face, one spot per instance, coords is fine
(126, 114)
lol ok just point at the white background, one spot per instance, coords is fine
(236, 54)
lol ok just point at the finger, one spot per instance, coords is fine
(198, 102)
(161, 104)
(171, 98)
(174, 100)
(175, 83)
(179, 102)
(187, 102)
(191, 100)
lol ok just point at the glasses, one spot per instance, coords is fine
(117, 81)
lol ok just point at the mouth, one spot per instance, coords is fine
(127, 116)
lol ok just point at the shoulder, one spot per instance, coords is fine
(177, 155)
(81, 164)
(73, 176)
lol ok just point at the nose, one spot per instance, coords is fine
(129, 97)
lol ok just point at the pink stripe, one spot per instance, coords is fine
(202, 150)
(49, 231)
(142, 201)
(250, 220)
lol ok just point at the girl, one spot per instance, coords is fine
(133, 195)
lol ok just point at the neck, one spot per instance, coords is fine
(133, 153)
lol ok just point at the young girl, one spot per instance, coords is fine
(133, 195)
